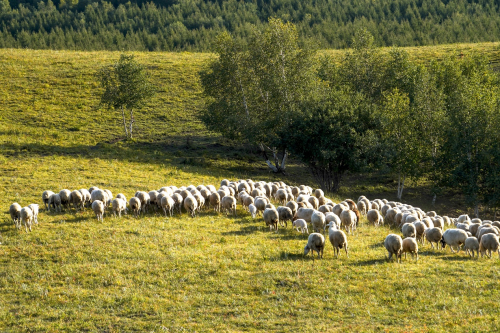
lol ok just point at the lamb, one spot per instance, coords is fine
(471, 245)
(135, 206)
(394, 245)
(118, 205)
(410, 246)
(488, 243)
(45, 198)
(167, 204)
(65, 197)
(152, 199)
(34, 209)
(201, 201)
(190, 204)
(55, 202)
(318, 221)
(434, 235)
(26, 218)
(454, 237)
(338, 239)
(15, 214)
(300, 224)
(348, 220)
(271, 217)
(374, 217)
(285, 214)
(408, 230)
(253, 210)
(315, 242)
(76, 199)
(229, 204)
(98, 208)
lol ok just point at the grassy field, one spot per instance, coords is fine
(210, 273)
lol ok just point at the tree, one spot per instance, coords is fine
(125, 87)
(253, 91)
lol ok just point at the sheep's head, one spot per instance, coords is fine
(443, 243)
(306, 249)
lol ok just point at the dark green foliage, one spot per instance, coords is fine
(194, 25)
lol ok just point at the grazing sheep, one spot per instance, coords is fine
(285, 214)
(420, 228)
(55, 202)
(121, 196)
(318, 193)
(110, 198)
(463, 226)
(77, 200)
(384, 209)
(152, 199)
(390, 215)
(15, 214)
(471, 245)
(100, 195)
(454, 237)
(45, 198)
(271, 217)
(373, 216)
(260, 203)
(247, 201)
(428, 222)
(145, 199)
(313, 202)
(394, 245)
(361, 207)
(318, 221)
(118, 205)
(34, 209)
(26, 217)
(410, 246)
(228, 203)
(487, 230)
(190, 205)
(65, 198)
(253, 210)
(135, 206)
(434, 235)
(293, 206)
(375, 205)
(331, 217)
(215, 201)
(300, 224)
(348, 220)
(98, 208)
(201, 201)
(431, 213)
(438, 222)
(325, 209)
(463, 218)
(178, 201)
(93, 188)
(167, 204)
(408, 230)
(315, 242)
(304, 213)
(86, 197)
(338, 239)
(489, 242)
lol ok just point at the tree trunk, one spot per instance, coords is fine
(401, 185)
(124, 122)
(279, 166)
(131, 121)
(434, 199)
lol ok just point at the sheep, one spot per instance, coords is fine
(270, 205)
(373, 216)
(462, 226)
(390, 215)
(408, 230)
(488, 243)
(201, 201)
(76, 199)
(315, 242)
(215, 201)
(325, 209)
(85, 195)
(152, 198)
(463, 218)
(361, 207)
(331, 217)
(253, 210)
(55, 202)
(487, 230)
(438, 222)
(300, 224)
(93, 188)
(431, 213)
(375, 205)
(15, 214)
(167, 204)
(394, 245)
(318, 221)
(338, 239)
(313, 202)
(26, 217)
(471, 245)
(285, 214)
(420, 228)
(190, 204)
(110, 198)
(135, 206)
(98, 208)
(34, 208)
(384, 209)
(144, 199)
(293, 206)
(454, 237)
(351, 204)
(318, 193)
(100, 195)
(304, 213)
(434, 235)
(428, 222)
(410, 245)
(271, 217)
(45, 198)
(121, 196)
(260, 203)
(228, 203)
(247, 201)
(348, 220)
(280, 196)
(178, 201)
(118, 205)
(65, 197)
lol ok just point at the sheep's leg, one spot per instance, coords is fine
(346, 251)
(451, 248)
(489, 253)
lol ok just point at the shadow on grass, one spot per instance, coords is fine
(369, 262)
(251, 229)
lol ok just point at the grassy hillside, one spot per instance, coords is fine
(181, 274)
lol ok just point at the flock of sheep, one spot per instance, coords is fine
(298, 204)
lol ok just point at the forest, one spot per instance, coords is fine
(192, 25)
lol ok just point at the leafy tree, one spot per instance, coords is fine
(125, 86)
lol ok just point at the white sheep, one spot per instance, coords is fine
(15, 214)
(338, 239)
(34, 209)
(228, 204)
(215, 201)
(374, 217)
(420, 228)
(489, 242)
(85, 195)
(55, 202)
(118, 205)
(190, 204)
(167, 204)
(135, 206)
(300, 224)
(434, 235)
(98, 208)
(410, 246)
(318, 221)
(315, 242)
(100, 195)
(348, 220)
(408, 230)
(27, 217)
(471, 244)
(285, 214)
(304, 213)
(486, 230)
(253, 210)
(271, 218)
(332, 217)
(76, 199)
(65, 198)
(394, 245)
(454, 237)
(178, 201)
(45, 198)
(144, 198)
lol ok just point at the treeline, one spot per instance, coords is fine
(194, 24)
(369, 111)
